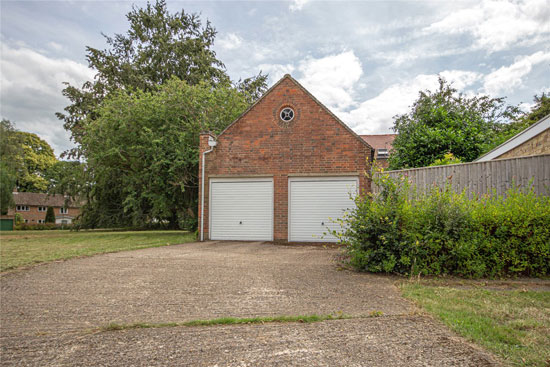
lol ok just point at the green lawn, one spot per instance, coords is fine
(513, 324)
(21, 248)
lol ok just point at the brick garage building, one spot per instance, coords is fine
(283, 171)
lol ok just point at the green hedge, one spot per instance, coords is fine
(443, 232)
(41, 226)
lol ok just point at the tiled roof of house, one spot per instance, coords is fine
(383, 141)
(38, 199)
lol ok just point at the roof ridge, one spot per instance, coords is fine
(328, 111)
(376, 134)
(288, 76)
(254, 104)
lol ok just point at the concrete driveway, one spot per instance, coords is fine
(50, 313)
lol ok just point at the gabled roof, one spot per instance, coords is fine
(287, 76)
(39, 199)
(380, 141)
(516, 140)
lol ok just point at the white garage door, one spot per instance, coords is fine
(314, 202)
(241, 209)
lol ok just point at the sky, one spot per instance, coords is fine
(365, 60)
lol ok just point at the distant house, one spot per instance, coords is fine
(33, 207)
(535, 140)
(382, 145)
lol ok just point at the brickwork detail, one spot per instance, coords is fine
(314, 143)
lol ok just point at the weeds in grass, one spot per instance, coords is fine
(376, 313)
(229, 321)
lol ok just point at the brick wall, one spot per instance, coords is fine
(314, 143)
(539, 144)
(33, 215)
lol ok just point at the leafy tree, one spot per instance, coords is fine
(446, 121)
(50, 216)
(540, 109)
(142, 152)
(67, 178)
(7, 184)
(157, 47)
(10, 163)
(38, 157)
(10, 145)
(448, 158)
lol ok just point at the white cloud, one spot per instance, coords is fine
(276, 71)
(499, 25)
(230, 41)
(30, 90)
(296, 5)
(460, 78)
(375, 115)
(508, 78)
(55, 46)
(332, 78)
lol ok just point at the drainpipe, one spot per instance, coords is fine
(212, 143)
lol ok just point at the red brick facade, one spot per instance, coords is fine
(34, 216)
(314, 143)
(33, 207)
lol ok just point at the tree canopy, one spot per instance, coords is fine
(539, 110)
(446, 121)
(38, 157)
(158, 45)
(67, 178)
(137, 124)
(142, 152)
(10, 163)
(10, 150)
(24, 161)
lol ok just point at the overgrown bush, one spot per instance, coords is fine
(403, 231)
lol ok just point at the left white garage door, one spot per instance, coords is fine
(241, 209)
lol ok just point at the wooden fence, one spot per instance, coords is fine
(482, 177)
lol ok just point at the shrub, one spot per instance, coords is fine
(448, 158)
(444, 232)
(41, 226)
(18, 218)
(50, 216)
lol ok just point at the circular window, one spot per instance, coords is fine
(287, 114)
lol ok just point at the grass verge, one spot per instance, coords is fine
(228, 321)
(23, 248)
(514, 324)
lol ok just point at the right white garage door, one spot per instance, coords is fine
(314, 205)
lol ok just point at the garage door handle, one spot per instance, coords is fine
(241, 222)
(322, 223)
